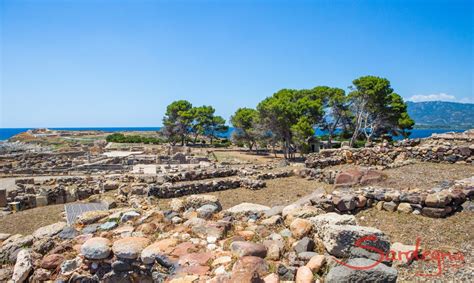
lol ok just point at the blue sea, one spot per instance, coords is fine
(6, 133)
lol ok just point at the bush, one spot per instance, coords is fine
(121, 138)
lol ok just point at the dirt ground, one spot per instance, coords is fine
(425, 175)
(448, 235)
(245, 155)
(27, 221)
(422, 175)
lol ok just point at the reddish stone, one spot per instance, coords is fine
(249, 269)
(195, 258)
(349, 177)
(183, 249)
(192, 269)
(371, 176)
(241, 248)
(52, 261)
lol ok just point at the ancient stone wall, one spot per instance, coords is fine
(390, 156)
(436, 203)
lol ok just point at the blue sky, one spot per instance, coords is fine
(119, 63)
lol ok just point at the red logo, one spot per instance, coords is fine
(442, 259)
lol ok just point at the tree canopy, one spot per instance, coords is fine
(182, 119)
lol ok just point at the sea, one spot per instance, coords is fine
(6, 133)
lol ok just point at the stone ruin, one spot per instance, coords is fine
(447, 148)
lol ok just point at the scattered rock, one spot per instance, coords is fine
(130, 247)
(300, 228)
(241, 248)
(49, 231)
(379, 273)
(23, 266)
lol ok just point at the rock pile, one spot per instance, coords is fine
(195, 241)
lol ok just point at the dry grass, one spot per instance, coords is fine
(27, 221)
(245, 155)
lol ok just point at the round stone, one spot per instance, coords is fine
(96, 248)
(130, 247)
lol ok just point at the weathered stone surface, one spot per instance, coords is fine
(150, 253)
(90, 217)
(130, 247)
(273, 220)
(129, 215)
(348, 177)
(249, 269)
(390, 206)
(331, 218)
(68, 233)
(49, 231)
(300, 228)
(206, 211)
(304, 245)
(435, 212)
(241, 248)
(42, 246)
(404, 208)
(379, 273)
(345, 203)
(23, 266)
(52, 261)
(196, 201)
(246, 207)
(271, 278)
(70, 265)
(339, 240)
(96, 248)
(439, 200)
(316, 262)
(304, 275)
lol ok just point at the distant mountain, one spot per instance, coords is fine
(441, 114)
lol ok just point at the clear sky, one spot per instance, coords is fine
(119, 63)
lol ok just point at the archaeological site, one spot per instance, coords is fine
(76, 208)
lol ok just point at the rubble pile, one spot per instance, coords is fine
(197, 241)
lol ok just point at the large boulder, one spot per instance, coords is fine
(350, 177)
(96, 248)
(247, 208)
(23, 266)
(379, 273)
(340, 241)
(130, 247)
(49, 231)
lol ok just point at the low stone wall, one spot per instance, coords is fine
(388, 156)
(194, 175)
(169, 190)
(436, 203)
(31, 194)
